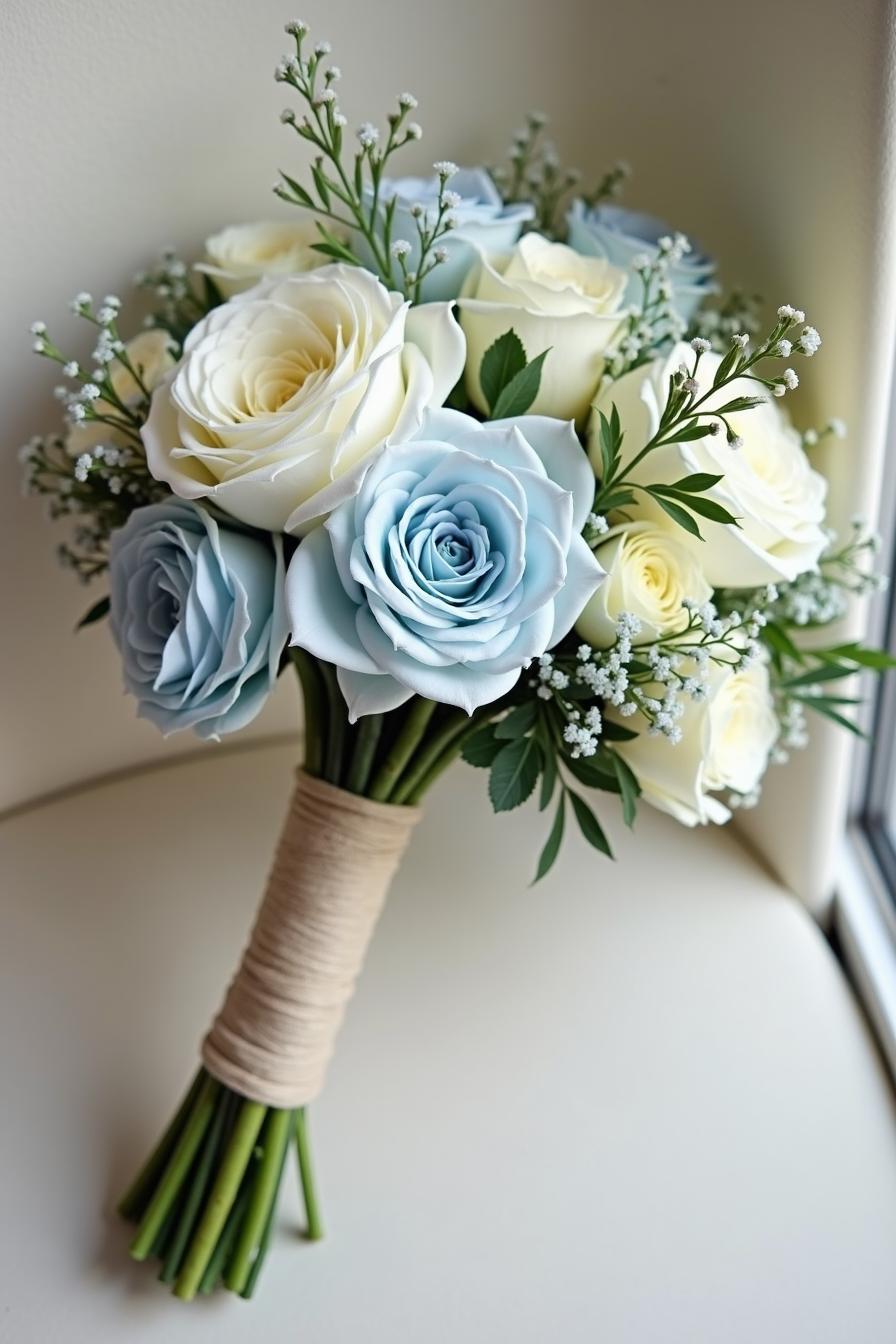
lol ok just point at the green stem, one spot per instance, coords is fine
(200, 1183)
(403, 748)
(313, 697)
(134, 1198)
(222, 1250)
(337, 723)
(236, 1158)
(261, 1201)
(451, 752)
(369, 731)
(312, 1213)
(427, 756)
(179, 1164)
(265, 1241)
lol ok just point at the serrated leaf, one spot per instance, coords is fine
(589, 825)
(677, 514)
(552, 845)
(521, 391)
(518, 721)
(481, 748)
(95, 613)
(629, 788)
(515, 771)
(502, 361)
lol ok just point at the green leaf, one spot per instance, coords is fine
(695, 483)
(589, 825)
(739, 404)
(481, 748)
(588, 772)
(521, 391)
(616, 499)
(778, 639)
(614, 732)
(677, 514)
(821, 708)
(548, 777)
(96, 613)
(514, 773)
(518, 721)
(877, 659)
(610, 439)
(302, 196)
(727, 365)
(502, 361)
(827, 672)
(337, 251)
(629, 788)
(211, 293)
(552, 845)
(707, 508)
(689, 432)
(322, 185)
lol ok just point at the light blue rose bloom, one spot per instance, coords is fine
(619, 235)
(483, 222)
(458, 561)
(199, 617)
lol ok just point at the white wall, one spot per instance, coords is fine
(761, 130)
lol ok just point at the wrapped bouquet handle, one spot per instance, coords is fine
(337, 855)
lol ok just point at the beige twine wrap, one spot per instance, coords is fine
(273, 1038)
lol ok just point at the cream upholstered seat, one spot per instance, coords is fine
(635, 1103)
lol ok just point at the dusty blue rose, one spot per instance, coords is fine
(458, 561)
(483, 222)
(199, 617)
(619, 235)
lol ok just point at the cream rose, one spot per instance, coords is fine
(242, 254)
(725, 743)
(767, 483)
(554, 299)
(284, 391)
(150, 355)
(649, 574)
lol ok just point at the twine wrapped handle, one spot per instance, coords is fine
(337, 855)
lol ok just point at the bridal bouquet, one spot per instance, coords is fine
(499, 475)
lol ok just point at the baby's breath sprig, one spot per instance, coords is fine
(653, 322)
(737, 312)
(687, 415)
(609, 187)
(185, 297)
(348, 187)
(534, 173)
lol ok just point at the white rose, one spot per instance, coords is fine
(767, 483)
(725, 743)
(285, 390)
(649, 574)
(554, 299)
(151, 356)
(242, 254)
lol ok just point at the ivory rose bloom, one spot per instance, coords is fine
(649, 574)
(725, 744)
(150, 355)
(554, 299)
(239, 256)
(767, 482)
(459, 560)
(284, 391)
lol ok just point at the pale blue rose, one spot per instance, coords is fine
(458, 561)
(483, 222)
(619, 235)
(199, 617)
